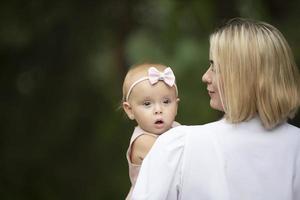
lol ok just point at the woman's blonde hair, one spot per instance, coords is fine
(256, 71)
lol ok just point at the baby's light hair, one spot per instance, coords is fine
(135, 73)
(257, 72)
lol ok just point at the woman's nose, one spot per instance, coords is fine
(206, 78)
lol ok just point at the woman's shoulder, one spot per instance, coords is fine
(291, 133)
(200, 129)
(179, 134)
(291, 128)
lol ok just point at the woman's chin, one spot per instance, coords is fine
(216, 106)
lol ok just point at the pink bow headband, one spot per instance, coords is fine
(154, 76)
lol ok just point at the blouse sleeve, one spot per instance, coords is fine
(159, 177)
(297, 179)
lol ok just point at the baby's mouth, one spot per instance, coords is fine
(160, 121)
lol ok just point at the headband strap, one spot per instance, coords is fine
(154, 76)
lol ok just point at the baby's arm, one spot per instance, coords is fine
(140, 148)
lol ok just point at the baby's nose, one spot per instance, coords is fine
(158, 109)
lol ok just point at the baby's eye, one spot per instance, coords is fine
(146, 103)
(166, 101)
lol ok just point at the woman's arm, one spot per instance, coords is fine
(297, 180)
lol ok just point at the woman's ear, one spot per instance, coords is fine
(127, 108)
(177, 100)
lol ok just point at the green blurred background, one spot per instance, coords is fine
(62, 135)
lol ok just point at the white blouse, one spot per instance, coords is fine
(222, 161)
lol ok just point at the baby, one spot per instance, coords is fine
(150, 97)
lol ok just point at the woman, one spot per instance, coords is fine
(252, 153)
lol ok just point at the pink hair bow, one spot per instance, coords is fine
(167, 76)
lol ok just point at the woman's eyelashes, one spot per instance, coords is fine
(211, 65)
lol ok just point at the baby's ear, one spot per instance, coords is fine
(127, 108)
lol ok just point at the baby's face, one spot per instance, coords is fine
(154, 106)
